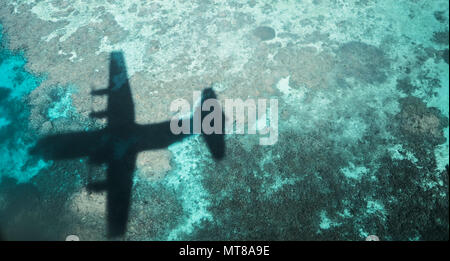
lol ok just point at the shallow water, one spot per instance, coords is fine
(362, 90)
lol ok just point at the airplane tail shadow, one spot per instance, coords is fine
(215, 141)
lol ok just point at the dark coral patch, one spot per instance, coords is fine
(364, 62)
(441, 37)
(405, 85)
(4, 93)
(264, 33)
(440, 16)
(444, 55)
(419, 124)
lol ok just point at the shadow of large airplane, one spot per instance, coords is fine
(118, 144)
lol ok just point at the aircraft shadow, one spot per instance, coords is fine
(118, 144)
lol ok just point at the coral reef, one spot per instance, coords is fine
(363, 100)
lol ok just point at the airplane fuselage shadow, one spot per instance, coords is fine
(118, 144)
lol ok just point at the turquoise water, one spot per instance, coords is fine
(362, 88)
(15, 136)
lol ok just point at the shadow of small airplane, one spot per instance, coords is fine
(118, 144)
